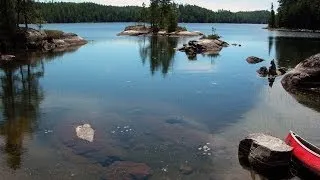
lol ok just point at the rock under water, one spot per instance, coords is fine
(85, 132)
(126, 170)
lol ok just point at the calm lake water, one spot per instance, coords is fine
(170, 105)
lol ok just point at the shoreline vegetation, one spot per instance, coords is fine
(142, 30)
(296, 16)
(30, 40)
(15, 39)
(292, 30)
(163, 19)
(70, 12)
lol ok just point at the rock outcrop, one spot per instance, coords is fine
(139, 30)
(272, 72)
(32, 39)
(254, 60)
(304, 77)
(203, 46)
(264, 152)
(135, 30)
(6, 57)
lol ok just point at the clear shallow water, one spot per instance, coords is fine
(171, 104)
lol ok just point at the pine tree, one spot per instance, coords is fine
(172, 18)
(143, 13)
(154, 15)
(272, 20)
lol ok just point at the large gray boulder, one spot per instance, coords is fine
(304, 77)
(264, 152)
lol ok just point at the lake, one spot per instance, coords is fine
(149, 104)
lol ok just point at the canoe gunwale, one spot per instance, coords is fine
(294, 136)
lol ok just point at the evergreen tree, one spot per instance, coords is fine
(163, 15)
(272, 20)
(299, 14)
(8, 19)
(154, 15)
(67, 12)
(172, 19)
(143, 13)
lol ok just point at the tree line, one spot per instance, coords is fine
(296, 14)
(67, 12)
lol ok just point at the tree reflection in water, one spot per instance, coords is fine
(159, 51)
(20, 96)
(289, 52)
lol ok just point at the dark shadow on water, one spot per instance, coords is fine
(20, 96)
(159, 52)
(290, 51)
(309, 99)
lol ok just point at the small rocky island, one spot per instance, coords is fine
(205, 45)
(141, 30)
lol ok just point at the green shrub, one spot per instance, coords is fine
(179, 28)
(213, 36)
(54, 34)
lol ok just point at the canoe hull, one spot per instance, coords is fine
(307, 157)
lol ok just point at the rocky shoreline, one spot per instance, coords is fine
(140, 30)
(292, 30)
(41, 40)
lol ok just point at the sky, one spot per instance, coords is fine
(232, 5)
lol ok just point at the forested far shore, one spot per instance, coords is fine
(297, 14)
(67, 12)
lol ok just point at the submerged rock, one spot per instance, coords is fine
(265, 152)
(304, 77)
(186, 169)
(126, 170)
(85, 132)
(254, 60)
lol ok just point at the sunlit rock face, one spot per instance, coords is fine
(85, 132)
(303, 82)
(305, 76)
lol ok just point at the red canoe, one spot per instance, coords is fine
(305, 152)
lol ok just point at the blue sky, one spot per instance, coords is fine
(233, 5)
